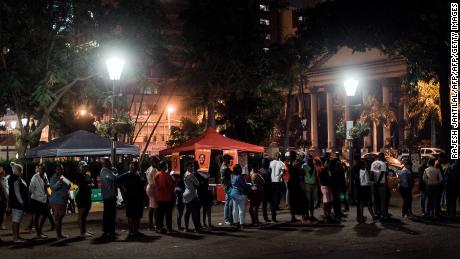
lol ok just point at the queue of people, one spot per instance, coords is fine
(304, 180)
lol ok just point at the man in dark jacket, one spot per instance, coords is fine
(338, 186)
(225, 174)
(422, 185)
(453, 188)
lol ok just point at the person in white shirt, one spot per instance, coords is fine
(4, 192)
(379, 175)
(277, 168)
(432, 177)
(39, 199)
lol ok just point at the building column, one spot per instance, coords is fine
(386, 101)
(314, 120)
(300, 106)
(330, 121)
(367, 139)
(346, 102)
(406, 122)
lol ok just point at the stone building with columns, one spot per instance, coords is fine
(326, 102)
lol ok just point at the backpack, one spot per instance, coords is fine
(364, 179)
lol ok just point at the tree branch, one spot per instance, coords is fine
(59, 94)
(147, 119)
(48, 56)
(159, 119)
(3, 60)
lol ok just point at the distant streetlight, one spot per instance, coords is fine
(24, 121)
(115, 68)
(13, 124)
(350, 85)
(170, 110)
(82, 112)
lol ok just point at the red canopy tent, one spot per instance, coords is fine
(210, 139)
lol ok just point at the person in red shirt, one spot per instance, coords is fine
(165, 198)
(285, 177)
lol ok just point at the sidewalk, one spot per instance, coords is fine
(396, 238)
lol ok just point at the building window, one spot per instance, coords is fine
(155, 138)
(268, 36)
(162, 138)
(264, 7)
(264, 21)
(148, 90)
(266, 50)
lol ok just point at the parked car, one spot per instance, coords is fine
(393, 163)
(415, 158)
(430, 152)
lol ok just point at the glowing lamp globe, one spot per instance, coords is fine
(115, 67)
(350, 86)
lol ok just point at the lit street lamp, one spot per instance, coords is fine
(170, 110)
(24, 122)
(115, 67)
(350, 89)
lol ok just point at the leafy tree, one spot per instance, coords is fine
(50, 48)
(224, 44)
(424, 105)
(249, 116)
(376, 114)
(188, 130)
(415, 30)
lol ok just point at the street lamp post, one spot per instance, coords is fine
(304, 133)
(350, 89)
(114, 67)
(170, 110)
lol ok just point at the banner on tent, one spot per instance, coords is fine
(234, 154)
(203, 157)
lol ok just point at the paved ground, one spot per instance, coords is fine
(399, 238)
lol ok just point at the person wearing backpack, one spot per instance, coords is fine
(379, 173)
(226, 174)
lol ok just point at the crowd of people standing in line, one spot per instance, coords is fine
(305, 181)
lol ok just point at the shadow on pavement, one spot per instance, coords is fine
(367, 230)
(186, 235)
(329, 230)
(140, 239)
(31, 243)
(397, 225)
(64, 242)
(442, 222)
(223, 233)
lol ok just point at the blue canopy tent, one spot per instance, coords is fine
(81, 143)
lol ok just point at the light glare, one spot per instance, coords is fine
(115, 67)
